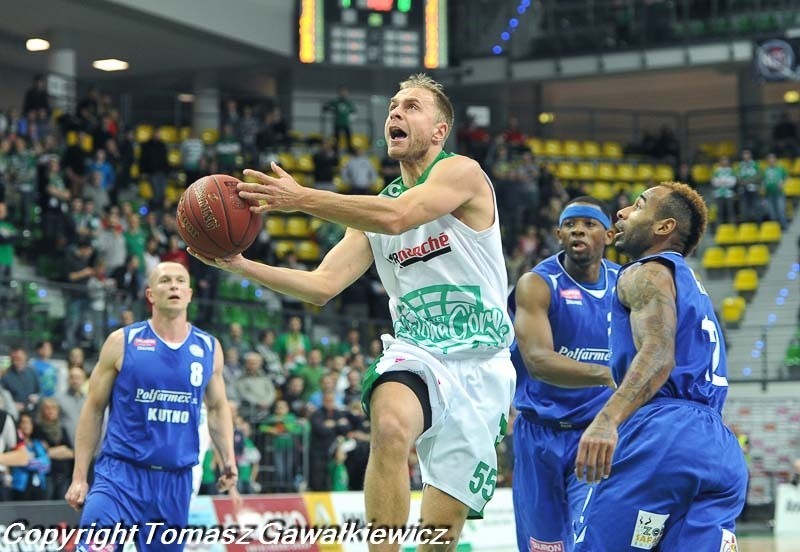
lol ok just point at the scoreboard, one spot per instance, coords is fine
(378, 33)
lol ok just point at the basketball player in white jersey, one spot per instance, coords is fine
(444, 382)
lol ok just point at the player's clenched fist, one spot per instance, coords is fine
(76, 494)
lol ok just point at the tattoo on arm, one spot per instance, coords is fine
(649, 293)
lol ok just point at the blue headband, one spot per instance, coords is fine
(585, 211)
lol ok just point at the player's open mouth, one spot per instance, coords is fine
(578, 246)
(397, 134)
(174, 296)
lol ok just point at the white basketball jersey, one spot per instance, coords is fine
(446, 282)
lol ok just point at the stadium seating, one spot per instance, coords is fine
(726, 234)
(770, 233)
(747, 233)
(612, 150)
(308, 250)
(297, 227)
(733, 311)
(572, 148)
(792, 189)
(276, 226)
(591, 149)
(736, 257)
(758, 257)
(701, 173)
(552, 148)
(745, 282)
(586, 171)
(714, 261)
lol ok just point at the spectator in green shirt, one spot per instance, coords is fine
(774, 180)
(342, 108)
(724, 183)
(293, 343)
(7, 236)
(748, 177)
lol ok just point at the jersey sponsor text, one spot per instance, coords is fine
(586, 354)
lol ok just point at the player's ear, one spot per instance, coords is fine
(610, 233)
(440, 132)
(148, 294)
(666, 226)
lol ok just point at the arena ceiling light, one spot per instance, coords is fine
(110, 64)
(37, 45)
(186, 98)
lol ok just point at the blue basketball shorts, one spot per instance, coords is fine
(678, 482)
(547, 496)
(132, 496)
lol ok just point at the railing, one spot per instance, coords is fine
(70, 315)
(559, 28)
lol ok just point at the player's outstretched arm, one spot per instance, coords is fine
(342, 266)
(90, 423)
(220, 423)
(649, 293)
(452, 183)
(535, 339)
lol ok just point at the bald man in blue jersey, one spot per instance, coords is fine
(561, 310)
(672, 476)
(154, 376)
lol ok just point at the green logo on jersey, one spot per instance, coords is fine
(449, 317)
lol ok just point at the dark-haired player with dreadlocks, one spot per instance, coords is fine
(671, 475)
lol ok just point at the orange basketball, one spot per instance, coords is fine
(213, 220)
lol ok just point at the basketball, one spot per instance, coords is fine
(213, 220)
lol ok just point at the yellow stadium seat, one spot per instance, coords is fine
(174, 157)
(726, 149)
(726, 234)
(785, 163)
(535, 145)
(612, 150)
(745, 282)
(87, 142)
(282, 247)
(586, 171)
(169, 134)
(733, 311)
(209, 136)
(305, 163)
(625, 172)
(645, 171)
(602, 191)
(276, 226)
(612, 254)
(134, 171)
(552, 148)
(792, 187)
(572, 148)
(591, 149)
(701, 174)
(145, 190)
(664, 173)
(714, 258)
(795, 170)
(736, 257)
(566, 171)
(72, 138)
(758, 256)
(308, 250)
(360, 141)
(185, 133)
(143, 133)
(747, 233)
(297, 227)
(286, 161)
(605, 171)
(174, 193)
(770, 232)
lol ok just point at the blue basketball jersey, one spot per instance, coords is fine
(701, 370)
(155, 404)
(579, 318)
